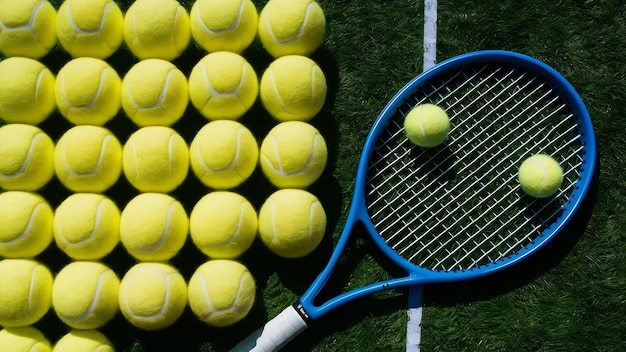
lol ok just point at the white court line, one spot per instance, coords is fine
(413, 328)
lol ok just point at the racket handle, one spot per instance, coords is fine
(276, 333)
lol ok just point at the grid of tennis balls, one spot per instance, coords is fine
(283, 73)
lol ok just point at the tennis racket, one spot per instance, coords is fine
(456, 211)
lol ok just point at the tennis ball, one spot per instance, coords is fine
(25, 293)
(155, 159)
(154, 92)
(27, 28)
(90, 28)
(26, 157)
(292, 223)
(26, 220)
(291, 27)
(88, 159)
(427, 125)
(85, 295)
(293, 155)
(293, 88)
(156, 29)
(221, 292)
(153, 227)
(224, 25)
(223, 85)
(88, 91)
(152, 295)
(84, 341)
(87, 226)
(223, 224)
(27, 94)
(24, 339)
(223, 154)
(540, 176)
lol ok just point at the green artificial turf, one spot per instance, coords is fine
(571, 297)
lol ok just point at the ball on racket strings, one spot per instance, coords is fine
(156, 29)
(224, 25)
(288, 27)
(293, 88)
(154, 93)
(85, 294)
(427, 125)
(24, 339)
(223, 86)
(27, 94)
(88, 159)
(26, 157)
(90, 28)
(28, 28)
(25, 293)
(88, 91)
(84, 341)
(26, 220)
(293, 155)
(292, 223)
(540, 176)
(223, 224)
(153, 227)
(152, 296)
(221, 292)
(87, 226)
(223, 154)
(155, 159)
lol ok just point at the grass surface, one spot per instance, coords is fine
(569, 298)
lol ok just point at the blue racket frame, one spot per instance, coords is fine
(420, 276)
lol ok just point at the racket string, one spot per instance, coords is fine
(466, 166)
(459, 206)
(399, 131)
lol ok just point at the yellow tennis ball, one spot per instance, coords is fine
(88, 159)
(27, 94)
(221, 292)
(293, 155)
(540, 176)
(27, 28)
(25, 293)
(24, 339)
(26, 220)
(85, 294)
(155, 159)
(153, 227)
(292, 27)
(88, 91)
(156, 29)
(90, 28)
(84, 341)
(152, 295)
(427, 125)
(154, 92)
(224, 25)
(223, 154)
(293, 88)
(223, 86)
(26, 157)
(292, 223)
(87, 226)
(223, 224)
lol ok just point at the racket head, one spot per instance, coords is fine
(562, 128)
(453, 189)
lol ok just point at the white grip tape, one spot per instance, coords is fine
(275, 334)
